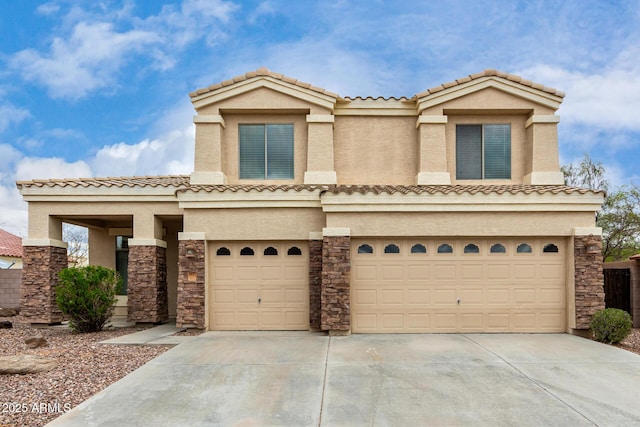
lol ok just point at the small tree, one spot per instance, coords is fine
(87, 295)
(620, 214)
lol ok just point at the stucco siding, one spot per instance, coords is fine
(376, 150)
(255, 224)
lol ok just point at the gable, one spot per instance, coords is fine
(263, 78)
(531, 93)
(263, 98)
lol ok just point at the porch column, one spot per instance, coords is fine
(315, 280)
(336, 286)
(147, 300)
(191, 281)
(433, 151)
(44, 255)
(589, 276)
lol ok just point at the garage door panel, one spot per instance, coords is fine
(368, 296)
(472, 296)
(417, 296)
(445, 272)
(392, 272)
(499, 291)
(392, 296)
(247, 272)
(445, 296)
(497, 296)
(416, 272)
(472, 271)
(260, 291)
(498, 271)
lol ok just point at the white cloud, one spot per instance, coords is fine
(169, 154)
(607, 99)
(53, 167)
(48, 8)
(86, 61)
(266, 8)
(11, 114)
(14, 211)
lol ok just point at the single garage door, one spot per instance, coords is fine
(471, 285)
(258, 286)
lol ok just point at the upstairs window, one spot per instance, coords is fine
(266, 151)
(483, 152)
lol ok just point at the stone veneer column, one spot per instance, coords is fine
(336, 286)
(148, 300)
(589, 279)
(41, 265)
(191, 284)
(315, 280)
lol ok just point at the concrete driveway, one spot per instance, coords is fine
(310, 379)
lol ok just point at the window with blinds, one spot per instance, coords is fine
(483, 151)
(266, 151)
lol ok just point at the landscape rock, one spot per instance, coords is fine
(26, 364)
(8, 312)
(5, 324)
(36, 342)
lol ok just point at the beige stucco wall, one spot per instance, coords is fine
(518, 145)
(255, 224)
(230, 146)
(44, 217)
(102, 248)
(376, 150)
(461, 223)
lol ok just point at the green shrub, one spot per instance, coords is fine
(611, 325)
(87, 295)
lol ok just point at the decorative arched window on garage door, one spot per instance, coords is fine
(524, 248)
(365, 249)
(223, 251)
(294, 250)
(498, 248)
(391, 249)
(471, 249)
(246, 251)
(270, 251)
(550, 248)
(445, 249)
(418, 249)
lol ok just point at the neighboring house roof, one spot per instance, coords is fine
(10, 244)
(264, 72)
(181, 183)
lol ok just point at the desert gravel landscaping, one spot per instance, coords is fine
(84, 368)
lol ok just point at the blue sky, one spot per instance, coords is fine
(100, 88)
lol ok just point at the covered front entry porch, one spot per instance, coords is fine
(141, 246)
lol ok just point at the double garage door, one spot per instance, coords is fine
(405, 286)
(258, 286)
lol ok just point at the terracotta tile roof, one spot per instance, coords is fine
(10, 244)
(259, 188)
(401, 189)
(181, 184)
(262, 72)
(122, 181)
(458, 189)
(489, 73)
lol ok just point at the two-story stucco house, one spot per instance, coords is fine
(443, 212)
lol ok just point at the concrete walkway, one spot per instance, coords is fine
(310, 379)
(161, 334)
